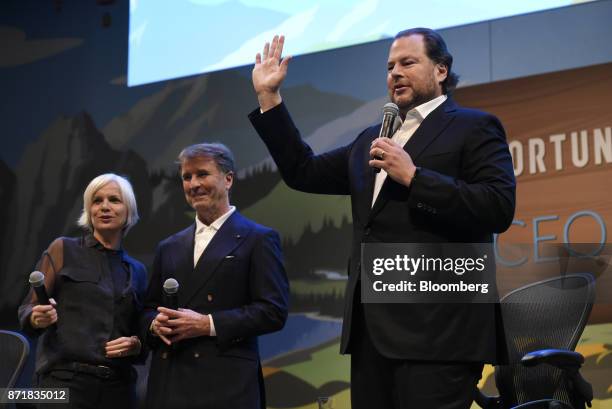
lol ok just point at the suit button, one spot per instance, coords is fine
(164, 355)
(419, 205)
(209, 297)
(196, 355)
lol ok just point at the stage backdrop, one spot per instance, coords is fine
(559, 127)
(69, 116)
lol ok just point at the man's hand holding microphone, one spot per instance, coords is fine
(173, 324)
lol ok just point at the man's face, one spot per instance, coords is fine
(412, 78)
(206, 187)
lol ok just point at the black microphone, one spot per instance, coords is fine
(390, 112)
(37, 281)
(387, 128)
(171, 287)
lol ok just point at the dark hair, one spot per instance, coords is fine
(218, 152)
(436, 50)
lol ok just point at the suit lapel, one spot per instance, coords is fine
(182, 256)
(430, 129)
(230, 235)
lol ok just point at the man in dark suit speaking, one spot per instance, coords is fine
(233, 287)
(446, 176)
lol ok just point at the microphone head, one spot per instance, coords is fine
(391, 109)
(37, 279)
(171, 286)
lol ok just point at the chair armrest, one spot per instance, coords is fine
(486, 402)
(560, 358)
(569, 362)
(543, 404)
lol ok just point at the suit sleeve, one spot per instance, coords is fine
(269, 293)
(300, 168)
(152, 300)
(140, 286)
(482, 197)
(50, 263)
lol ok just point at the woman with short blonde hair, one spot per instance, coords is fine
(87, 334)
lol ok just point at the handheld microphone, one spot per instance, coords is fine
(171, 287)
(37, 281)
(390, 112)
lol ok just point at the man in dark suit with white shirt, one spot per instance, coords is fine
(233, 287)
(446, 176)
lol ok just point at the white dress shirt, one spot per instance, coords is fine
(411, 123)
(203, 235)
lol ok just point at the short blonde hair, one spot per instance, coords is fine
(127, 195)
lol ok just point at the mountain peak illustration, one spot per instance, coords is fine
(212, 107)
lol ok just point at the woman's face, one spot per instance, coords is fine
(108, 211)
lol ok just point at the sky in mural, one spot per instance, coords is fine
(186, 37)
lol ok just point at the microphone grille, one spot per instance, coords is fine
(37, 279)
(390, 108)
(171, 286)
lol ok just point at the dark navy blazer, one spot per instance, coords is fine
(464, 192)
(241, 281)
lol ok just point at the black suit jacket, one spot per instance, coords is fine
(240, 280)
(464, 192)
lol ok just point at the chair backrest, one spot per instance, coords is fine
(14, 351)
(548, 314)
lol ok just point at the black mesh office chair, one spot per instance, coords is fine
(543, 323)
(14, 350)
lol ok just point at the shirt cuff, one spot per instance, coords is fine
(213, 333)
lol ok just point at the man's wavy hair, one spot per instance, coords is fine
(436, 50)
(216, 151)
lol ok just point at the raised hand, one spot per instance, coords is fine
(269, 73)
